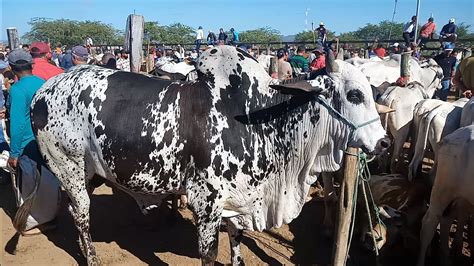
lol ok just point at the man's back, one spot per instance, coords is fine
(449, 28)
(43, 69)
(21, 95)
(299, 63)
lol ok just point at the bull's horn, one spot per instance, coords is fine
(331, 64)
(382, 109)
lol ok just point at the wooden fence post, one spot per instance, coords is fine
(405, 65)
(345, 207)
(13, 40)
(134, 41)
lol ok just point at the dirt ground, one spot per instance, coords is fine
(123, 236)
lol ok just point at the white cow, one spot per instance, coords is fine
(264, 60)
(454, 176)
(433, 119)
(404, 100)
(381, 74)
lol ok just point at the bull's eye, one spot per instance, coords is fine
(355, 96)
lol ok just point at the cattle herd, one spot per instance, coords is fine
(245, 148)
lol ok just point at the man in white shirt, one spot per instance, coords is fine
(409, 31)
(199, 37)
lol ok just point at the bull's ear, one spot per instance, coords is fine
(315, 86)
(382, 109)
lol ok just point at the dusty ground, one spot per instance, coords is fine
(123, 236)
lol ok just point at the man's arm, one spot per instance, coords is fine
(19, 108)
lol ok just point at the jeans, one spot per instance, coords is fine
(198, 45)
(407, 38)
(443, 93)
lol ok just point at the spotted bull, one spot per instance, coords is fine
(239, 149)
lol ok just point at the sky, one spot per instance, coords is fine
(289, 17)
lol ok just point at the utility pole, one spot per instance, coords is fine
(393, 18)
(416, 22)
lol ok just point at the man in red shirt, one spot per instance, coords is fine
(380, 51)
(426, 32)
(320, 61)
(42, 68)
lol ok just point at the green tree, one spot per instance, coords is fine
(463, 31)
(260, 35)
(382, 31)
(71, 32)
(308, 36)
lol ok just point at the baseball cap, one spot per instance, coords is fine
(319, 49)
(19, 55)
(321, 23)
(80, 51)
(396, 44)
(42, 47)
(451, 20)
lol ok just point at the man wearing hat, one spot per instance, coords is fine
(320, 61)
(448, 32)
(22, 141)
(322, 34)
(42, 68)
(447, 63)
(80, 55)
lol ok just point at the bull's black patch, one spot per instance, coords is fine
(355, 96)
(213, 51)
(239, 68)
(39, 115)
(69, 104)
(246, 54)
(85, 96)
(241, 56)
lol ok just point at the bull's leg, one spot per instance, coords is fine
(398, 142)
(415, 163)
(235, 237)
(73, 177)
(203, 201)
(430, 222)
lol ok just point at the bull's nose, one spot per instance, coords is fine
(384, 143)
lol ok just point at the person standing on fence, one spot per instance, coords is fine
(447, 63)
(322, 34)
(409, 31)
(222, 36)
(234, 37)
(427, 31)
(464, 76)
(199, 37)
(448, 32)
(211, 38)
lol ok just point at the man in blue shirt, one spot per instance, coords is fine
(21, 94)
(448, 32)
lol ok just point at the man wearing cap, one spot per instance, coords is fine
(21, 94)
(284, 68)
(464, 76)
(322, 34)
(40, 52)
(199, 37)
(447, 63)
(320, 61)
(80, 55)
(448, 32)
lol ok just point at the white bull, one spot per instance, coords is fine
(402, 99)
(454, 175)
(383, 73)
(433, 119)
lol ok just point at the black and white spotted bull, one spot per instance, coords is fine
(239, 149)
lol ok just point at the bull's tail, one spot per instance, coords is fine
(21, 216)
